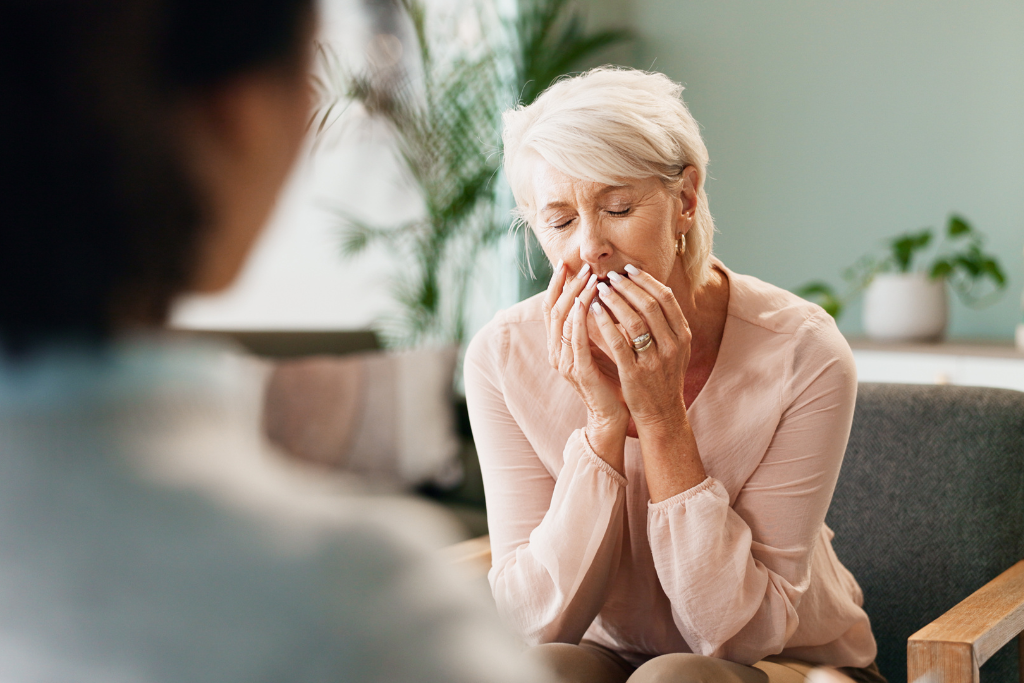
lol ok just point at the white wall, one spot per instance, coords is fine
(297, 277)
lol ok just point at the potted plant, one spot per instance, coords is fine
(905, 304)
(445, 117)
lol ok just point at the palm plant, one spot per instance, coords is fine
(445, 120)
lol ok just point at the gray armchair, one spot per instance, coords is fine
(929, 508)
(929, 516)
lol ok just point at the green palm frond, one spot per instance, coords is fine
(552, 41)
(357, 235)
(446, 124)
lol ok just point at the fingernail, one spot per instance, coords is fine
(591, 281)
(632, 270)
(558, 266)
(603, 288)
(614, 277)
(583, 271)
(596, 309)
(577, 300)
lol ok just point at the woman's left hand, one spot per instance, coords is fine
(652, 379)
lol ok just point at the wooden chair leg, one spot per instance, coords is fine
(1020, 657)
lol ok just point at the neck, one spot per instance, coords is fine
(705, 309)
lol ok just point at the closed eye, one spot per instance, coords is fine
(563, 225)
(619, 213)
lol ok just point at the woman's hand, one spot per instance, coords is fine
(566, 308)
(652, 379)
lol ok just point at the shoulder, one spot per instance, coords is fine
(806, 335)
(498, 340)
(391, 629)
(772, 308)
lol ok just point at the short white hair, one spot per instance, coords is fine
(609, 125)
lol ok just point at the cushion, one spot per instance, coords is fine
(929, 506)
(385, 415)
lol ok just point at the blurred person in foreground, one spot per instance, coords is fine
(659, 436)
(145, 534)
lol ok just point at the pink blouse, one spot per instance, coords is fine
(740, 566)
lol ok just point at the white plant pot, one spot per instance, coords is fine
(905, 307)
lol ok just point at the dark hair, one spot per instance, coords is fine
(96, 211)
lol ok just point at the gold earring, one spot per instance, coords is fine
(681, 244)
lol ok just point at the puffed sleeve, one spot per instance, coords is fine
(555, 540)
(735, 575)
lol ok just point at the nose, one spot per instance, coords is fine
(593, 243)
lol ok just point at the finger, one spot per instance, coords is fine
(570, 287)
(602, 361)
(573, 286)
(662, 294)
(555, 285)
(565, 341)
(621, 349)
(567, 361)
(585, 297)
(560, 310)
(632, 324)
(645, 306)
(580, 336)
(558, 319)
(589, 291)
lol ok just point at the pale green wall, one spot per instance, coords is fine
(834, 124)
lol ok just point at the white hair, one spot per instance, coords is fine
(609, 125)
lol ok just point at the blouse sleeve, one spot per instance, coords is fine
(554, 540)
(735, 574)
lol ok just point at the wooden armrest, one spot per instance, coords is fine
(473, 556)
(952, 648)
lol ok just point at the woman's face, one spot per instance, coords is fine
(607, 226)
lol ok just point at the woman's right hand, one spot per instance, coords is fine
(566, 307)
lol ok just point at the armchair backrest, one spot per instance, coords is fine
(930, 506)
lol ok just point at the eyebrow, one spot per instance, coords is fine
(606, 190)
(555, 205)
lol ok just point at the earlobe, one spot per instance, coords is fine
(245, 114)
(685, 217)
(688, 217)
(239, 116)
(688, 198)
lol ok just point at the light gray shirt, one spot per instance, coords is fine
(147, 535)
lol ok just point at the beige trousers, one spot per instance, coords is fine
(589, 662)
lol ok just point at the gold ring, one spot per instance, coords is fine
(647, 345)
(642, 342)
(567, 342)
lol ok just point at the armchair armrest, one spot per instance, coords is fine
(952, 648)
(472, 556)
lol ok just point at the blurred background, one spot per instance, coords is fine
(834, 128)
(831, 127)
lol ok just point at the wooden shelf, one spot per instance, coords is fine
(982, 363)
(982, 348)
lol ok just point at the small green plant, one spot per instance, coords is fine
(960, 261)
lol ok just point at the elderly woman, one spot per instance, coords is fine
(660, 437)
